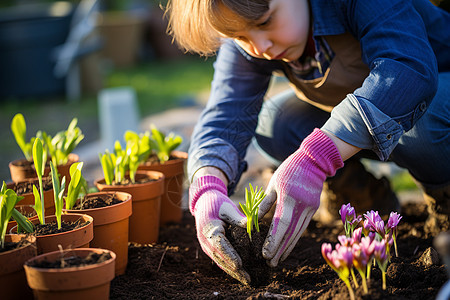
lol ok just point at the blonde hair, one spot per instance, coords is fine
(198, 25)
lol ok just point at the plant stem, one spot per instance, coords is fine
(41, 191)
(354, 278)
(395, 246)
(364, 282)
(350, 290)
(369, 268)
(383, 274)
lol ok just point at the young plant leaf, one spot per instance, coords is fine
(253, 198)
(39, 158)
(77, 183)
(19, 130)
(8, 200)
(58, 191)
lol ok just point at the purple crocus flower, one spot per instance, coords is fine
(379, 251)
(372, 218)
(367, 245)
(345, 241)
(379, 228)
(347, 213)
(394, 219)
(360, 258)
(349, 218)
(356, 238)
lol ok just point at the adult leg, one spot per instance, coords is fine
(425, 152)
(284, 122)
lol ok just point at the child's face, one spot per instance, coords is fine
(280, 34)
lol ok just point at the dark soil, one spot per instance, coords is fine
(176, 268)
(250, 252)
(52, 228)
(127, 181)
(15, 245)
(154, 160)
(26, 187)
(97, 201)
(72, 261)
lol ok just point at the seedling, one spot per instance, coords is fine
(63, 143)
(19, 129)
(115, 165)
(58, 190)
(162, 144)
(39, 158)
(77, 185)
(9, 199)
(253, 198)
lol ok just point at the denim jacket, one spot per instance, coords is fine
(404, 44)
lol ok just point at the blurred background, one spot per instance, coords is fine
(57, 57)
(66, 59)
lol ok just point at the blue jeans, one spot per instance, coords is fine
(285, 121)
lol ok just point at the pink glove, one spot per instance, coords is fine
(296, 187)
(210, 205)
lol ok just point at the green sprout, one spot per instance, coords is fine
(77, 185)
(253, 198)
(162, 144)
(19, 130)
(58, 190)
(39, 158)
(8, 200)
(63, 143)
(115, 165)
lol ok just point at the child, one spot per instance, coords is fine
(374, 76)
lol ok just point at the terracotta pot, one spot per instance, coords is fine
(19, 173)
(146, 202)
(26, 210)
(13, 283)
(77, 238)
(173, 170)
(28, 198)
(111, 225)
(73, 283)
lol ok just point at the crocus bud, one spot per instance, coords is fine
(347, 213)
(394, 219)
(380, 251)
(357, 235)
(372, 218)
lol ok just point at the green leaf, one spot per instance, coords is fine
(38, 205)
(75, 185)
(19, 130)
(22, 222)
(38, 157)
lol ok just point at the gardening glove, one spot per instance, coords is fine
(211, 207)
(296, 187)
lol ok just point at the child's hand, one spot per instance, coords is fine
(210, 205)
(296, 186)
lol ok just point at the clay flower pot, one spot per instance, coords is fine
(26, 210)
(79, 282)
(13, 283)
(173, 170)
(28, 198)
(111, 224)
(77, 238)
(22, 169)
(146, 203)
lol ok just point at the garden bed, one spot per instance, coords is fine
(177, 268)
